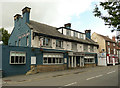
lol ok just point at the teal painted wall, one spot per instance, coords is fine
(12, 69)
(20, 28)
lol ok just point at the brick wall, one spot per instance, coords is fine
(48, 68)
(90, 65)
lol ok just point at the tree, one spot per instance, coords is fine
(112, 18)
(5, 36)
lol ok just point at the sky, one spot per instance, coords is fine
(56, 13)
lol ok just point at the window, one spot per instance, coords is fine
(114, 51)
(27, 39)
(74, 46)
(15, 43)
(108, 50)
(89, 59)
(75, 34)
(19, 43)
(59, 43)
(52, 58)
(108, 43)
(85, 47)
(113, 44)
(68, 32)
(81, 36)
(91, 49)
(46, 41)
(17, 57)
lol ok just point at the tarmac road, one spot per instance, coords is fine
(97, 76)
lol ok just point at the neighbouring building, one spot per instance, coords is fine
(118, 50)
(47, 48)
(107, 49)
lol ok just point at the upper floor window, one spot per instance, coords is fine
(108, 43)
(114, 51)
(74, 46)
(85, 48)
(113, 44)
(19, 43)
(91, 49)
(108, 50)
(81, 36)
(15, 43)
(46, 41)
(68, 32)
(27, 40)
(59, 43)
(75, 34)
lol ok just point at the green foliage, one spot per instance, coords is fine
(113, 17)
(5, 36)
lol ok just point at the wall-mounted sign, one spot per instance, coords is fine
(24, 35)
(33, 60)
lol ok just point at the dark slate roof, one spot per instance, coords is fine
(106, 38)
(52, 31)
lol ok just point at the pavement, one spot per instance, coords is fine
(92, 76)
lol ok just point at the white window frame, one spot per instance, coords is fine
(108, 43)
(88, 58)
(19, 54)
(113, 44)
(108, 50)
(53, 56)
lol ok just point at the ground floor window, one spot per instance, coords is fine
(89, 59)
(17, 57)
(52, 58)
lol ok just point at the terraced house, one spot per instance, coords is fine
(50, 48)
(107, 49)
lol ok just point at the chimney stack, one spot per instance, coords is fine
(17, 16)
(68, 25)
(26, 14)
(88, 33)
(113, 38)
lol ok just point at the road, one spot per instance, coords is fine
(97, 76)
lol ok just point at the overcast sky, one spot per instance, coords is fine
(55, 13)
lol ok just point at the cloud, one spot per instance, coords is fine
(51, 12)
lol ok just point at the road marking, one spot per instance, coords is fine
(98, 76)
(70, 84)
(94, 77)
(90, 78)
(110, 72)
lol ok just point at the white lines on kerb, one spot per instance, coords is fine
(70, 84)
(110, 72)
(94, 77)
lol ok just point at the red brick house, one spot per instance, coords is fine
(107, 49)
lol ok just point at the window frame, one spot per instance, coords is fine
(16, 52)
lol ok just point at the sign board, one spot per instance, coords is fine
(33, 60)
(70, 53)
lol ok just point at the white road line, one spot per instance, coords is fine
(98, 76)
(90, 78)
(70, 84)
(110, 72)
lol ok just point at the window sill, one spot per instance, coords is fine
(17, 63)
